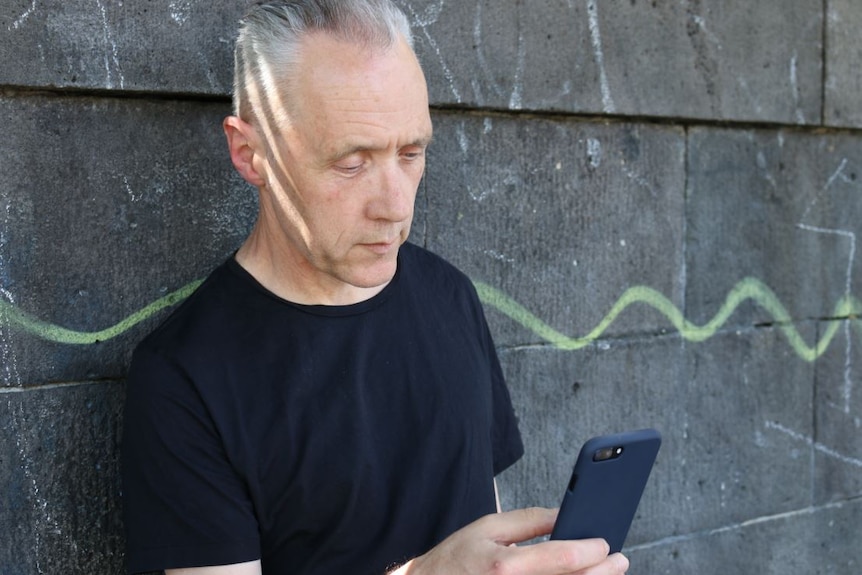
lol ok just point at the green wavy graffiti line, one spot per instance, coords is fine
(15, 317)
(748, 289)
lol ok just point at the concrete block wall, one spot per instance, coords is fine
(658, 201)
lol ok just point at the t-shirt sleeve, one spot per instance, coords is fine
(184, 504)
(508, 447)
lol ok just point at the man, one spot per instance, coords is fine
(329, 401)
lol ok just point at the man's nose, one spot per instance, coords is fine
(395, 192)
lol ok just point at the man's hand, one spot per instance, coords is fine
(485, 547)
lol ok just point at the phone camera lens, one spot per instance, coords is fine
(607, 453)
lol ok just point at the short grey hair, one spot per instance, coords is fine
(268, 46)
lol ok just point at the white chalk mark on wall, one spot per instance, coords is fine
(112, 58)
(509, 180)
(848, 367)
(180, 10)
(639, 180)
(10, 376)
(133, 196)
(700, 22)
(515, 97)
(809, 441)
(432, 13)
(763, 166)
(750, 94)
(596, 39)
(676, 539)
(703, 41)
(43, 521)
(850, 236)
(838, 173)
(594, 152)
(515, 101)
(552, 102)
(463, 141)
(19, 21)
(480, 56)
(499, 257)
(208, 70)
(794, 85)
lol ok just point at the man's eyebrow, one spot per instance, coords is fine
(345, 151)
(350, 149)
(423, 142)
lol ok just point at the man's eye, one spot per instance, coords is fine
(349, 168)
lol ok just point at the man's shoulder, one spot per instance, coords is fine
(431, 278)
(203, 315)
(427, 265)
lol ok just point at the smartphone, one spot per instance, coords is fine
(606, 487)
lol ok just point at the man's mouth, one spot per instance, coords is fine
(380, 248)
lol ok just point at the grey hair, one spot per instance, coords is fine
(271, 33)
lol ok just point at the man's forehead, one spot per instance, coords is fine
(327, 62)
(354, 100)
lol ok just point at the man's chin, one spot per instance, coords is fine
(376, 274)
(376, 279)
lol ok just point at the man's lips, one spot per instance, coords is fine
(380, 248)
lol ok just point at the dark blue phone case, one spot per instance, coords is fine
(602, 496)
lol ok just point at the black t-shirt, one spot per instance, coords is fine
(319, 439)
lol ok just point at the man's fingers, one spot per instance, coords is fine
(559, 557)
(615, 564)
(621, 562)
(485, 546)
(520, 525)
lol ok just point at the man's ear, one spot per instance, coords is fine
(244, 144)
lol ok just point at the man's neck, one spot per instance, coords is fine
(281, 271)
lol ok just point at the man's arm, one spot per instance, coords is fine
(486, 547)
(250, 568)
